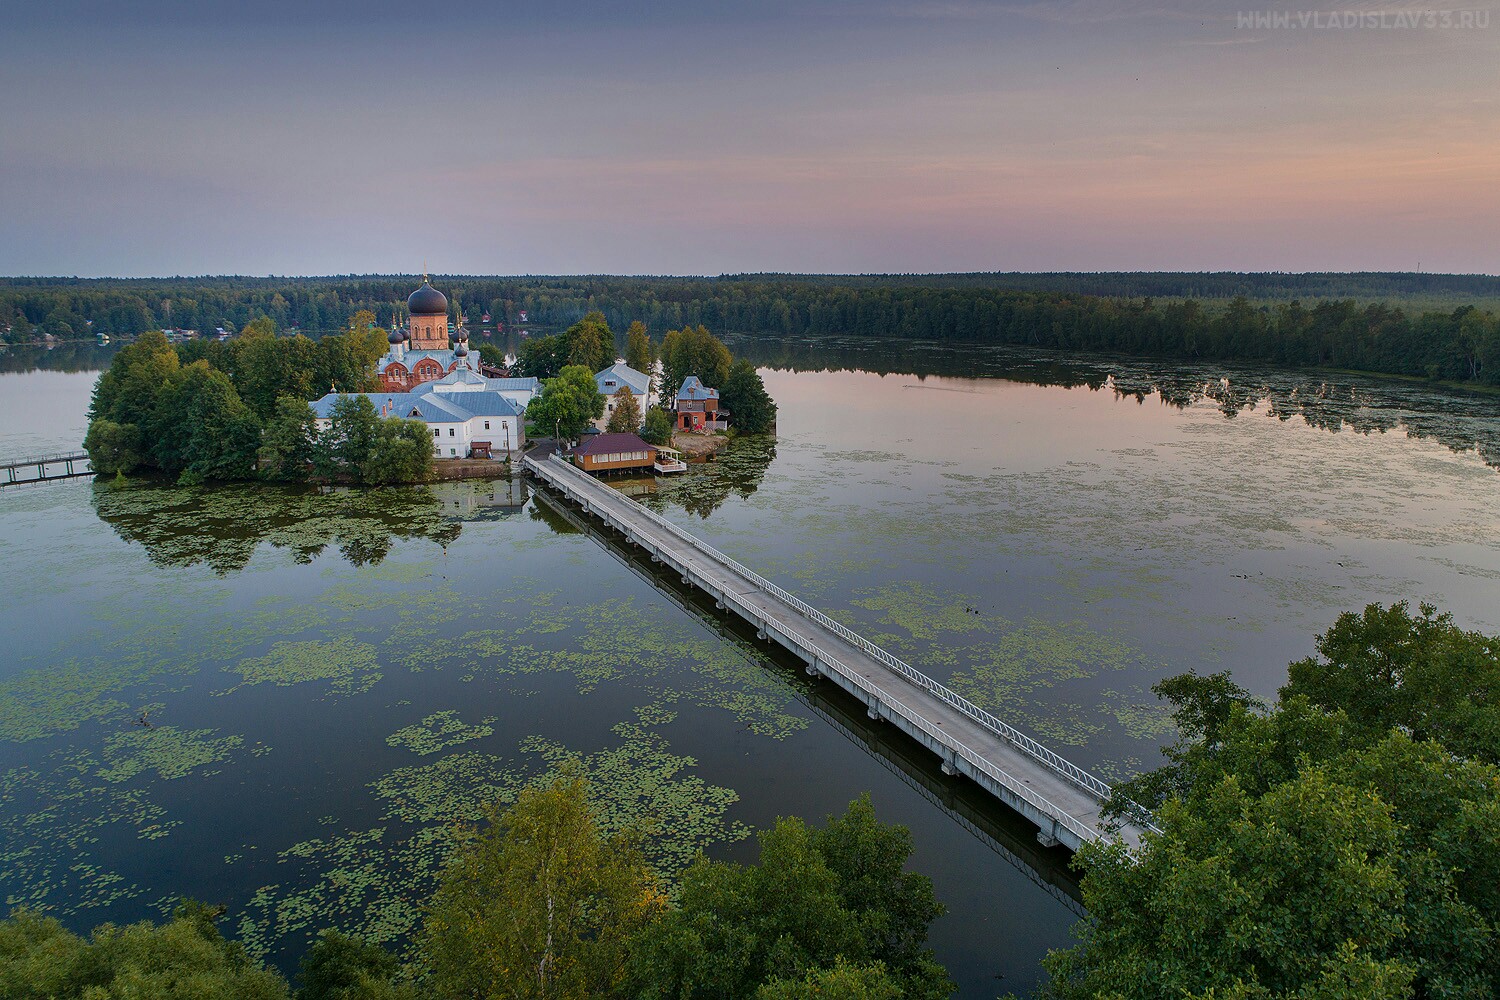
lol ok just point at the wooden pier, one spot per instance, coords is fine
(44, 468)
(1065, 802)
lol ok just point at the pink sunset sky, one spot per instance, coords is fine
(707, 138)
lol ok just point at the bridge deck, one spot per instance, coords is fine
(1064, 801)
(44, 468)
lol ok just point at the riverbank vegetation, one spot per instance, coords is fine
(1341, 842)
(1428, 326)
(239, 410)
(542, 904)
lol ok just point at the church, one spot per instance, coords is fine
(422, 378)
(420, 353)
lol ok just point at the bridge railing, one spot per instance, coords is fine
(1018, 739)
(25, 460)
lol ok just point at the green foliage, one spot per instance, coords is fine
(542, 357)
(344, 446)
(817, 898)
(692, 350)
(1312, 850)
(539, 906)
(184, 959)
(751, 408)
(340, 967)
(842, 982)
(567, 404)
(590, 343)
(401, 452)
(626, 417)
(201, 429)
(638, 352)
(657, 428)
(288, 443)
(113, 448)
(1386, 668)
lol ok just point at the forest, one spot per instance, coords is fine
(1428, 326)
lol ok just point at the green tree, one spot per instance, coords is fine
(344, 446)
(340, 967)
(542, 357)
(1386, 667)
(692, 351)
(626, 417)
(201, 429)
(258, 328)
(638, 354)
(751, 409)
(401, 452)
(567, 404)
(289, 441)
(590, 343)
(113, 448)
(183, 959)
(817, 898)
(539, 906)
(841, 982)
(657, 428)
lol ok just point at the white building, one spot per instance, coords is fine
(468, 423)
(621, 376)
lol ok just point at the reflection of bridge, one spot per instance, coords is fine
(1065, 802)
(41, 468)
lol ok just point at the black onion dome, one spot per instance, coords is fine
(427, 301)
(461, 351)
(395, 338)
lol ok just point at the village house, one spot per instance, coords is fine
(613, 380)
(614, 453)
(697, 407)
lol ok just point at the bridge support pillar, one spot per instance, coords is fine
(812, 667)
(1047, 835)
(950, 763)
(874, 710)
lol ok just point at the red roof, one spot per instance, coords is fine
(610, 444)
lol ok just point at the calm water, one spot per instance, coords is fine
(332, 680)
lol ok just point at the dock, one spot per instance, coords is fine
(1063, 801)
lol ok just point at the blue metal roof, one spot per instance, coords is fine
(622, 374)
(432, 407)
(692, 389)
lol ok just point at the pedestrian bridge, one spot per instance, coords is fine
(1064, 801)
(43, 468)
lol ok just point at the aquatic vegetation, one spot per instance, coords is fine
(56, 813)
(438, 732)
(618, 641)
(922, 612)
(350, 666)
(366, 882)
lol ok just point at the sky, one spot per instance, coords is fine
(590, 136)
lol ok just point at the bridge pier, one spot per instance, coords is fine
(1047, 836)
(950, 763)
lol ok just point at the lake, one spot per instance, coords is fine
(333, 679)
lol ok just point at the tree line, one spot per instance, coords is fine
(544, 904)
(1369, 322)
(210, 410)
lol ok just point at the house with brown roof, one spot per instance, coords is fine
(614, 452)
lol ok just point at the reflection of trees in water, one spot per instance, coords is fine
(738, 470)
(222, 526)
(1458, 420)
(68, 356)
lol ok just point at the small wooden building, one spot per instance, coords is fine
(611, 452)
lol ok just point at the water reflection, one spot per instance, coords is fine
(738, 470)
(66, 356)
(1461, 421)
(223, 526)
